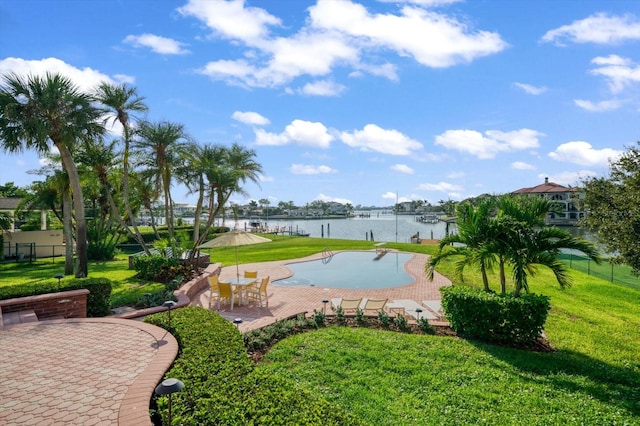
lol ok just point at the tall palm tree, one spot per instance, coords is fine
(161, 145)
(123, 102)
(54, 193)
(36, 111)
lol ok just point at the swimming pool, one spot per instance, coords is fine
(351, 269)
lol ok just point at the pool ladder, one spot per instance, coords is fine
(327, 255)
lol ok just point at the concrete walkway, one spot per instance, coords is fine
(286, 301)
(81, 371)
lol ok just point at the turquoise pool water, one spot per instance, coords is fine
(351, 269)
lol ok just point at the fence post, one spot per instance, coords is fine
(611, 271)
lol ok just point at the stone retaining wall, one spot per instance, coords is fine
(184, 294)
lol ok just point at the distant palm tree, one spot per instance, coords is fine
(36, 111)
(161, 145)
(121, 101)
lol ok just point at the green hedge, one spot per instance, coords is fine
(495, 317)
(220, 385)
(98, 304)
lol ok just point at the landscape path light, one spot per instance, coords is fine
(59, 277)
(168, 387)
(237, 322)
(169, 304)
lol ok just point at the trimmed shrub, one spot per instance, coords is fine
(220, 384)
(495, 317)
(98, 304)
(156, 268)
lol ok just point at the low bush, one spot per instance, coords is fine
(220, 384)
(98, 304)
(157, 268)
(495, 317)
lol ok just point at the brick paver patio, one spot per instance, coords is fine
(81, 371)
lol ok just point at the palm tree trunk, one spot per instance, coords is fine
(67, 222)
(125, 190)
(503, 278)
(485, 279)
(82, 270)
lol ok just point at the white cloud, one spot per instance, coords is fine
(580, 152)
(301, 132)
(402, 168)
(86, 78)
(328, 198)
(609, 105)
(375, 138)
(264, 178)
(455, 175)
(232, 20)
(619, 72)
(251, 118)
(306, 169)
(323, 88)
(530, 89)
(569, 178)
(599, 28)
(451, 42)
(158, 44)
(520, 165)
(440, 187)
(336, 34)
(491, 143)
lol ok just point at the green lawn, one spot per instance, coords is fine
(391, 378)
(126, 288)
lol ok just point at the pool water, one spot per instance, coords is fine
(351, 269)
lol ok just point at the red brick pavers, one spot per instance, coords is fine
(286, 301)
(98, 371)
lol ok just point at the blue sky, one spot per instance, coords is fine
(357, 101)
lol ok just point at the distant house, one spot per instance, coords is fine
(566, 198)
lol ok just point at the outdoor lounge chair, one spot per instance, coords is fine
(350, 305)
(259, 292)
(373, 306)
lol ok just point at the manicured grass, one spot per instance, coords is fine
(126, 289)
(282, 248)
(389, 378)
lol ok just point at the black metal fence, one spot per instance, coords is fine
(619, 274)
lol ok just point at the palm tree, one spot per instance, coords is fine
(529, 210)
(473, 241)
(528, 247)
(121, 101)
(54, 194)
(36, 111)
(160, 146)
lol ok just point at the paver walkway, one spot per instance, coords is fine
(285, 301)
(81, 371)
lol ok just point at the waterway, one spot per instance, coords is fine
(379, 227)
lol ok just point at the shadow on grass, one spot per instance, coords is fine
(610, 384)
